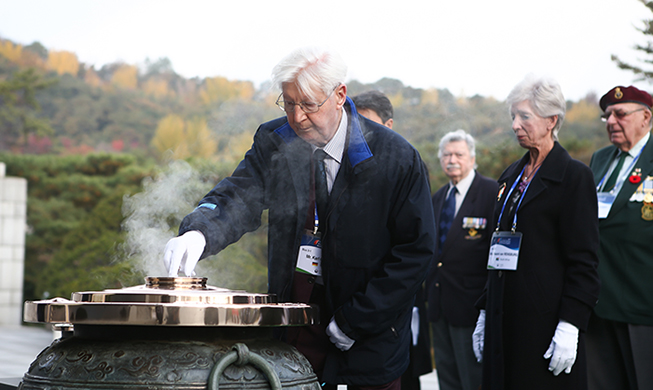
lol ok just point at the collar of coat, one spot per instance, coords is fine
(357, 148)
(552, 169)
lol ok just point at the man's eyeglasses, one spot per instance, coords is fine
(619, 114)
(307, 107)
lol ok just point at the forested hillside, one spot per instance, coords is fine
(95, 144)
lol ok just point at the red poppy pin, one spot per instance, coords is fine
(636, 176)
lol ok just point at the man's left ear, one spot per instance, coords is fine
(389, 123)
(341, 95)
(647, 118)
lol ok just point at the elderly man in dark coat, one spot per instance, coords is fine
(367, 203)
(459, 271)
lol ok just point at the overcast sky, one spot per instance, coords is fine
(470, 47)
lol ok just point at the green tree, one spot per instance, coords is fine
(19, 107)
(641, 72)
(85, 260)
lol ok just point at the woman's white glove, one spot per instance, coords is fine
(478, 337)
(563, 348)
(338, 337)
(182, 253)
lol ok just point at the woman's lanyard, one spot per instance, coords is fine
(514, 220)
(620, 181)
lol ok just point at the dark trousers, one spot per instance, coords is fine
(455, 361)
(619, 355)
(310, 341)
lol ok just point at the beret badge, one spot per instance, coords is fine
(618, 94)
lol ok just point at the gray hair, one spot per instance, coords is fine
(545, 96)
(458, 135)
(312, 69)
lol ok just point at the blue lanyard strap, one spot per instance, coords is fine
(620, 181)
(514, 220)
(317, 221)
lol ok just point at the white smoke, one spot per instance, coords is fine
(152, 217)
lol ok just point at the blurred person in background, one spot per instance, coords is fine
(620, 333)
(348, 223)
(464, 218)
(376, 106)
(542, 279)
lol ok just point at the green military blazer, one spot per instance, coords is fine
(626, 248)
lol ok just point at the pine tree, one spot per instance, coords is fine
(642, 73)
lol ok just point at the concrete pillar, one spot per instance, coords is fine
(13, 220)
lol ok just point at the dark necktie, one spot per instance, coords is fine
(321, 189)
(446, 216)
(612, 180)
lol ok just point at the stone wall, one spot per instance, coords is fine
(13, 215)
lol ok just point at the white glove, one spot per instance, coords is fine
(414, 324)
(563, 348)
(182, 253)
(338, 337)
(478, 337)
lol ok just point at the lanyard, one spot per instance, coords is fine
(620, 181)
(317, 221)
(514, 220)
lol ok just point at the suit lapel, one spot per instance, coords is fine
(465, 208)
(603, 166)
(356, 158)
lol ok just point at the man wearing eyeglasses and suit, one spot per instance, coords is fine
(620, 333)
(361, 210)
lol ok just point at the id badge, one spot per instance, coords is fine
(504, 251)
(310, 255)
(606, 200)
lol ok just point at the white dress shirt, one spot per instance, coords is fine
(334, 150)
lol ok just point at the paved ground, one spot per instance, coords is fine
(19, 346)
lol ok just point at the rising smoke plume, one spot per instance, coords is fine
(152, 217)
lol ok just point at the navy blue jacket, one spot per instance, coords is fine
(376, 249)
(458, 275)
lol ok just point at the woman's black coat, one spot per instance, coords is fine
(556, 278)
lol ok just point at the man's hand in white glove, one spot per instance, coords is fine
(338, 337)
(182, 253)
(563, 348)
(414, 325)
(478, 337)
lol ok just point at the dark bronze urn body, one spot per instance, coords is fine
(171, 333)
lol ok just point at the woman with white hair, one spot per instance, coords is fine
(543, 280)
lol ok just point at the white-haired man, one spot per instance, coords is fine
(464, 210)
(374, 222)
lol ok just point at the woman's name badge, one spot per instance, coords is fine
(606, 200)
(310, 255)
(504, 251)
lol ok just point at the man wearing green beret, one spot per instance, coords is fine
(620, 332)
